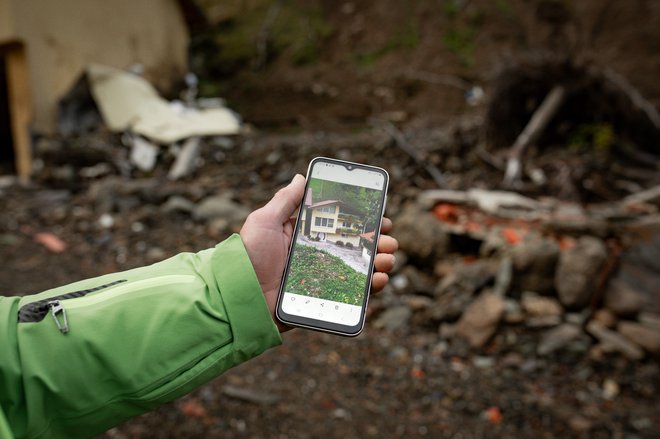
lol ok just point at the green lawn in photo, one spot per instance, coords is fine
(319, 274)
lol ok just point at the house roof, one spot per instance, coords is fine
(369, 236)
(325, 203)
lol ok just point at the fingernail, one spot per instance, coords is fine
(295, 177)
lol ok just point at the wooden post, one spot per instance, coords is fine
(20, 107)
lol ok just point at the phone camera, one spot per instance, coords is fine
(349, 167)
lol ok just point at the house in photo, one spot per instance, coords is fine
(46, 45)
(332, 220)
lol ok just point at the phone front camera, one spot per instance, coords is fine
(350, 167)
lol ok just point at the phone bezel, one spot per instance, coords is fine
(322, 325)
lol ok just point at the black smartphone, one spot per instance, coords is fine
(328, 274)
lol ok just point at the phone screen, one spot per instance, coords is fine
(327, 281)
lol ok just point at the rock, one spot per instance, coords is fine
(504, 276)
(221, 206)
(605, 317)
(253, 396)
(534, 263)
(178, 203)
(558, 338)
(395, 318)
(542, 321)
(640, 334)
(420, 234)
(186, 160)
(512, 312)
(650, 319)
(155, 254)
(610, 389)
(538, 306)
(622, 298)
(479, 321)
(612, 340)
(578, 270)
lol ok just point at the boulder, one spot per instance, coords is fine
(578, 270)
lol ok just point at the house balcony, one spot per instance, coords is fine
(349, 230)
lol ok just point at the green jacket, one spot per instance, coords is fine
(78, 359)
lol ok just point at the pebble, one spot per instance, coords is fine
(605, 317)
(221, 206)
(395, 318)
(534, 262)
(538, 306)
(613, 340)
(645, 336)
(558, 338)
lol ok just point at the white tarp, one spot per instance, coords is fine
(129, 103)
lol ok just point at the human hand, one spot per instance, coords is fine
(267, 234)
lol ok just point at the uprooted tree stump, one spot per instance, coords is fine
(604, 132)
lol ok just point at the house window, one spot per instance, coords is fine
(327, 209)
(324, 222)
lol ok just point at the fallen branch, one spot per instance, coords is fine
(401, 141)
(634, 95)
(532, 132)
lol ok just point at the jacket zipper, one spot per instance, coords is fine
(80, 299)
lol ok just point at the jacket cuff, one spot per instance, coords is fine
(250, 319)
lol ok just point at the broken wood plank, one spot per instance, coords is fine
(532, 132)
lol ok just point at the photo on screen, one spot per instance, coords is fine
(335, 242)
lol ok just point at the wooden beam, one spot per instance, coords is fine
(20, 108)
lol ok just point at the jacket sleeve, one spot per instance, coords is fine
(81, 358)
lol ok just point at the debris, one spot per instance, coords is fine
(50, 241)
(558, 338)
(193, 409)
(498, 202)
(612, 340)
(605, 317)
(643, 335)
(504, 276)
(106, 221)
(610, 389)
(577, 271)
(420, 235)
(479, 321)
(534, 264)
(186, 160)
(143, 154)
(394, 319)
(177, 203)
(401, 141)
(221, 206)
(532, 132)
(494, 415)
(249, 395)
(129, 103)
(538, 306)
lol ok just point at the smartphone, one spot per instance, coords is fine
(327, 278)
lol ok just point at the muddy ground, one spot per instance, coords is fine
(401, 377)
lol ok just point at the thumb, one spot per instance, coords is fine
(286, 200)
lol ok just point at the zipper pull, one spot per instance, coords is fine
(55, 309)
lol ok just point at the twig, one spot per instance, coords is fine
(634, 95)
(532, 132)
(401, 141)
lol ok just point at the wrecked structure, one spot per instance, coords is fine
(45, 46)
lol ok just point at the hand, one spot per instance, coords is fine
(267, 234)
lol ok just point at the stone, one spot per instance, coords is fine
(534, 263)
(479, 321)
(420, 234)
(558, 338)
(539, 306)
(612, 340)
(640, 334)
(650, 319)
(513, 312)
(177, 203)
(605, 317)
(622, 298)
(578, 270)
(221, 206)
(395, 318)
(504, 276)
(542, 321)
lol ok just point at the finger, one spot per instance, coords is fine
(384, 262)
(386, 225)
(387, 244)
(378, 282)
(286, 200)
